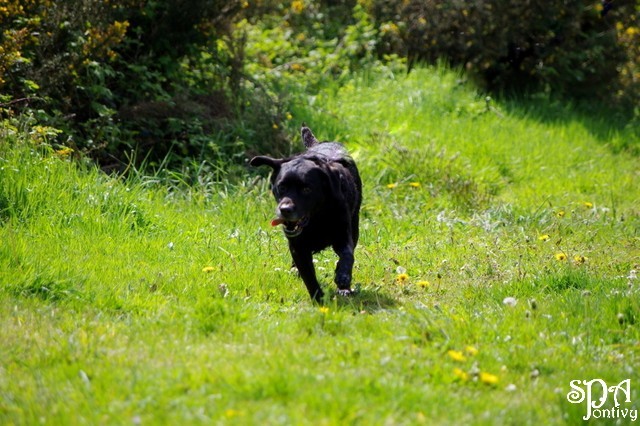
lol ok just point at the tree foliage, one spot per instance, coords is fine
(213, 79)
(569, 47)
(117, 75)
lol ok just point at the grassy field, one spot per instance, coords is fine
(498, 248)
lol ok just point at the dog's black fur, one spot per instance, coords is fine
(319, 193)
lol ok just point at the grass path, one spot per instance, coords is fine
(495, 266)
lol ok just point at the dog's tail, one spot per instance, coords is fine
(308, 138)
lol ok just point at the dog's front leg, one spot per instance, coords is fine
(303, 260)
(344, 268)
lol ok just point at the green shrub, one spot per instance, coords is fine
(304, 54)
(113, 74)
(176, 83)
(565, 47)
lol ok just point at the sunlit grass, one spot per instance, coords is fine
(495, 265)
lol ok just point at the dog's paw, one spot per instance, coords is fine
(346, 292)
(343, 280)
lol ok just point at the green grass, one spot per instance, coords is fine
(149, 301)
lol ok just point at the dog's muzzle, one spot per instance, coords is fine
(291, 228)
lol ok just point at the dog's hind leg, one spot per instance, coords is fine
(355, 229)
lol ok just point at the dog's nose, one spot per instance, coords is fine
(287, 208)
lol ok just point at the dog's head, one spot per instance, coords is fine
(301, 186)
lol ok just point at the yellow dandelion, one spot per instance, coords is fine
(230, 413)
(560, 213)
(423, 284)
(324, 310)
(456, 355)
(471, 350)
(544, 237)
(578, 259)
(208, 269)
(488, 378)
(561, 257)
(389, 27)
(391, 185)
(64, 152)
(588, 204)
(275, 126)
(458, 318)
(414, 184)
(297, 6)
(289, 116)
(461, 374)
(402, 278)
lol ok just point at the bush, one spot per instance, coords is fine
(305, 53)
(118, 76)
(565, 47)
(629, 84)
(216, 80)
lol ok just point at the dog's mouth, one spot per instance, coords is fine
(292, 228)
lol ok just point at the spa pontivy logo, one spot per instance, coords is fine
(595, 393)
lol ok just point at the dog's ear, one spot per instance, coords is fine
(263, 160)
(307, 137)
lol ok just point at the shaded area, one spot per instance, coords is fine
(365, 301)
(618, 130)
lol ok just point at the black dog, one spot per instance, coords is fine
(319, 193)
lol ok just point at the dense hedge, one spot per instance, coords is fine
(118, 76)
(570, 47)
(211, 79)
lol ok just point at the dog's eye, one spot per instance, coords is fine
(306, 190)
(281, 188)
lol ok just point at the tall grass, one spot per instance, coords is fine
(149, 300)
